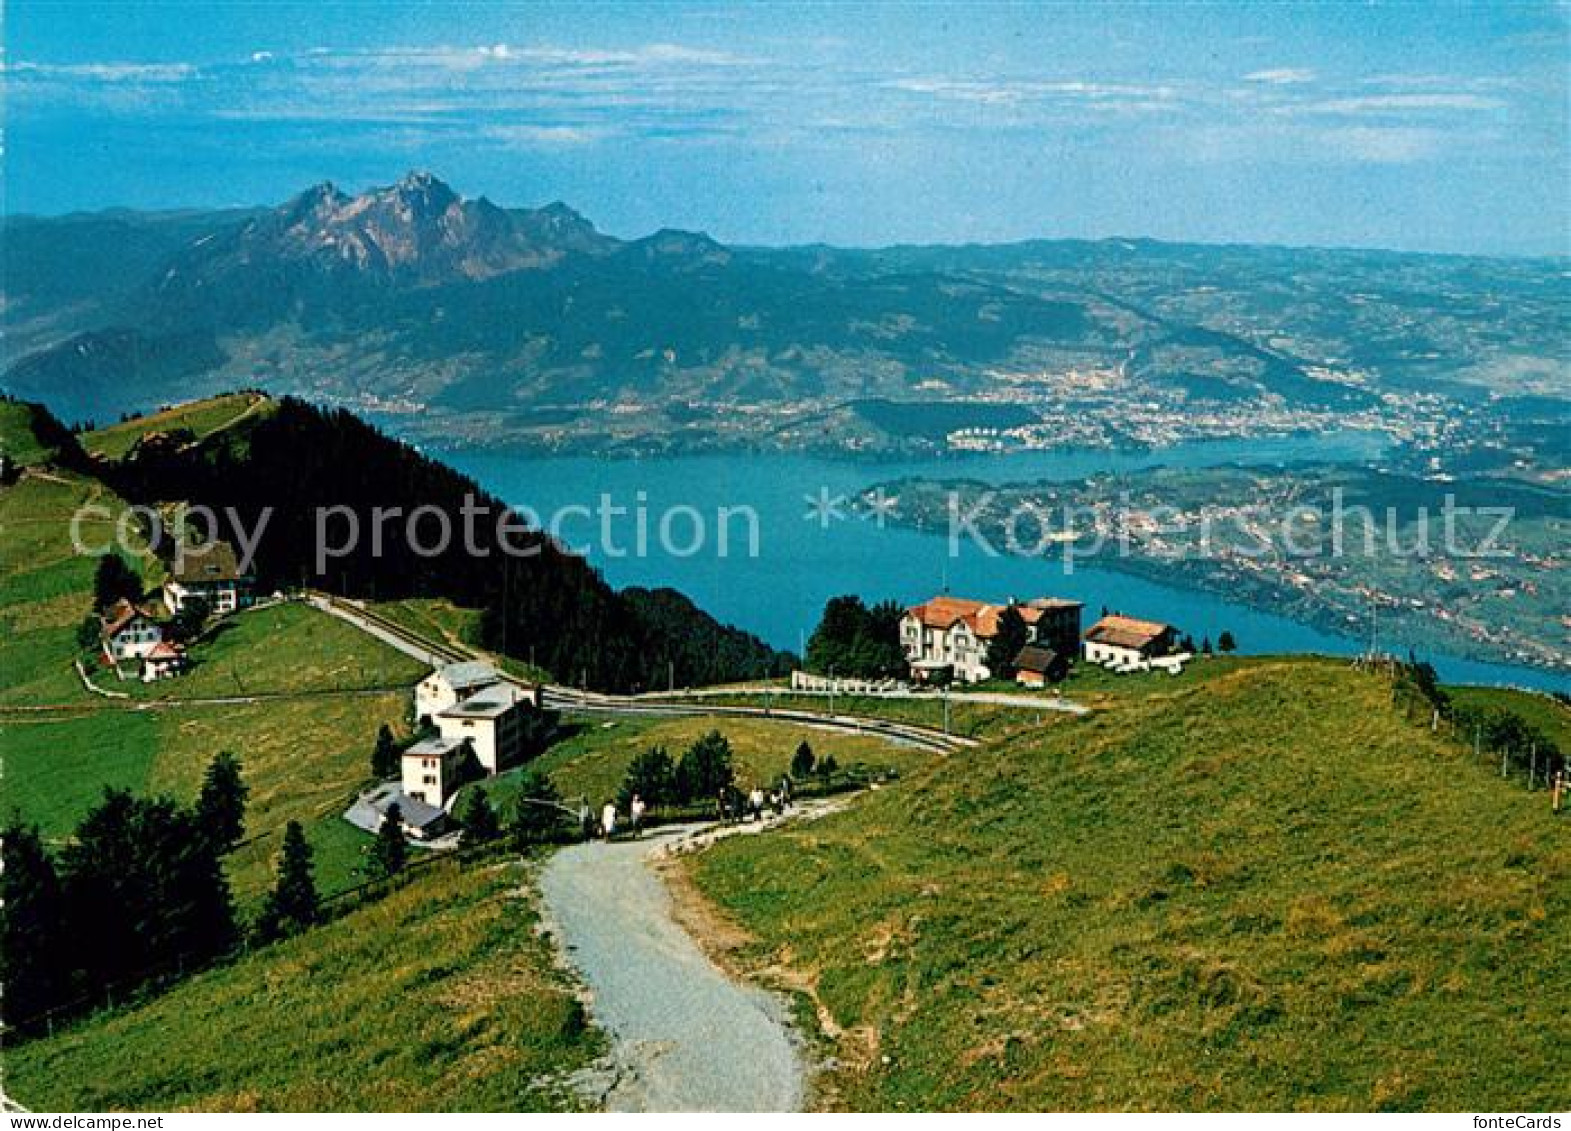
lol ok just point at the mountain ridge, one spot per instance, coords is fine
(465, 320)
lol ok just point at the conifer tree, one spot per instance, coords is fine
(293, 904)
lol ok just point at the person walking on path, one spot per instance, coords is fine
(608, 819)
(636, 811)
(755, 802)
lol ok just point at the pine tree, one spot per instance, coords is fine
(1205, 646)
(293, 904)
(144, 888)
(87, 634)
(802, 761)
(220, 807)
(536, 815)
(1225, 642)
(33, 945)
(827, 767)
(1010, 636)
(385, 757)
(478, 818)
(389, 854)
(705, 769)
(652, 776)
(114, 580)
(188, 623)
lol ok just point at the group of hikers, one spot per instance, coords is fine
(731, 806)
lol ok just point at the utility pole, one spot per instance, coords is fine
(946, 710)
(670, 675)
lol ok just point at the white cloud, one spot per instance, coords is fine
(105, 72)
(1399, 103)
(1282, 76)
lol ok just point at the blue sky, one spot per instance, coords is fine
(1418, 126)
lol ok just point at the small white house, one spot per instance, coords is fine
(433, 768)
(129, 633)
(1126, 644)
(165, 660)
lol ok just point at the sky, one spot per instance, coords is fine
(1410, 126)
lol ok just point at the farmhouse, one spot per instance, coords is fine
(129, 632)
(210, 572)
(433, 768)
(370, 809)
(491, 721)
(954, 633)
(1127, 644)
(452, 684)
(164, 660)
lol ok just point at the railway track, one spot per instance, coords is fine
(577, 701)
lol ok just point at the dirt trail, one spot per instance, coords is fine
(687, 1037)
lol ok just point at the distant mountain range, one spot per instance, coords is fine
(473, 321)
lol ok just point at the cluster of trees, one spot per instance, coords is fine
(535, 815)
(854, 640)
(705, 769)
(137, 892)
(805, 763)
(1004, 648)
(115, 580)
(305, 465)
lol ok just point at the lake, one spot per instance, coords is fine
(767, 501)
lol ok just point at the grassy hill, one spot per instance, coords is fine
(439, 997)
(302, 756)
(201, 418)
(1264, 891)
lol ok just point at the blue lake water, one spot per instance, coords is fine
(801, 562)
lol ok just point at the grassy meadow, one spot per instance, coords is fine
(202, 418)
(439, 997)
(302, 756)
(1267, 891)
(287, 649)
(593, 760)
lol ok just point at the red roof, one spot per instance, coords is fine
(979, 616)
(1127, 632)
(120, 614)
(164, 650)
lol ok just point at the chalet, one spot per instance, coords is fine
(954, 633)
(450, 685)
(129, 632)
(1037, 665)
(420, 820)
(1127, 644)
(210, 572)
(165, 660)
(491, 721)
(433, 768)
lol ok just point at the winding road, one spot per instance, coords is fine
(686, 1036)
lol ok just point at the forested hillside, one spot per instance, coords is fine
(320, 475)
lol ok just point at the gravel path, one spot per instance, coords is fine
(687, 1037)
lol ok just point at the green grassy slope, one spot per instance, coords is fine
(201, 418)
(593, 762)
(1267, 891)
(302, 756)
(440, 997)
